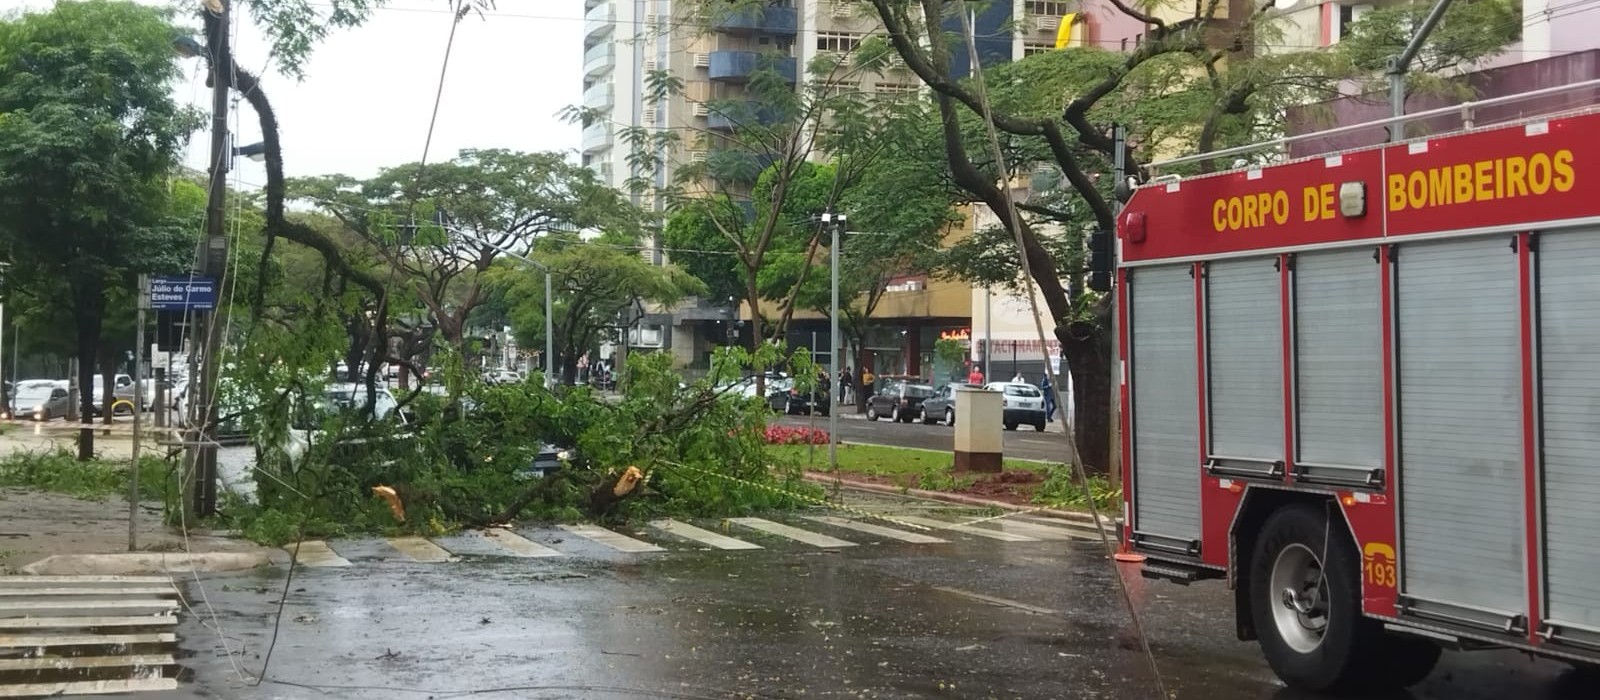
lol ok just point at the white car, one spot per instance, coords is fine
(1024, 404)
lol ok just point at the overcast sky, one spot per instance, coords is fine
(368, 92)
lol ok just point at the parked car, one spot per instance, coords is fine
(798, 403)
(123, 390)
(898, 400)
(39, 399)
(1024, 403)
(942, 406)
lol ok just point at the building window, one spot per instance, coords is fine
(895, 88)
(837, 43)
(1049, 8)
(1031, 48)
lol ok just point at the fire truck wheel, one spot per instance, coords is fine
(1306, 601)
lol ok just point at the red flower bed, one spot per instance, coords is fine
(783, 435)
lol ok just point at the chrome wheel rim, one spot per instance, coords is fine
(1300, 592)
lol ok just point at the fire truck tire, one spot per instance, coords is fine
(1306, 602)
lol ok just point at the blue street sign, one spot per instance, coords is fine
(183, 292)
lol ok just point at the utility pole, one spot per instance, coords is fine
(138, 412)
(200, 492)
(834, 254)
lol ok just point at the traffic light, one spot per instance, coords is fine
(1101, 263)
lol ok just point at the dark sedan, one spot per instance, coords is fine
(898, 400)
(942, 406)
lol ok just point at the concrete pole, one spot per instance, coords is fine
(549, 333)
(834, 254)
(213, 264)
(138, 410)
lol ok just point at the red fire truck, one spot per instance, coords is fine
(1364, 388)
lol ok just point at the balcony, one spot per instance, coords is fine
(598, 23)
(601, 96)
(738, 66)
(599, 60)
(757, 20)
(596, 137)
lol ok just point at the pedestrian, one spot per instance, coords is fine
(1019, 379)
(975, 377)
(1049, 399)
(846, 385)
(868, 381)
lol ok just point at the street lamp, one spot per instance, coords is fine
(549, 298)
(838, 224)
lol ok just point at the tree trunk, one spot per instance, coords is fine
(87, 311)
(1088, 360)
(108, 383)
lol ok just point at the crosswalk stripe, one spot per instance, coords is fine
(56, 663)
(72, 640)
(869, 528)
(28, 690)
(419, 549)
(967, 529)
(621, 543)
(1028, 529)
(34, 623)
(517, 544)
(706, 537)
(34, 580)
(53, 592)
(318, 554)
(24, 608)
(793, 533)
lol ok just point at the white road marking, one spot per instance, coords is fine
(1002, 602)
(33, 623)
(31, 580)
(869, 528)
(21, 592)
(517, 544)
(1028, 529)
(71, 640)
(621, 543)
(29, 690)
(23, 609)
(72, 662)
(419, 549)
(706, 537)
(793, 533)
(317, 553)
(968, 529)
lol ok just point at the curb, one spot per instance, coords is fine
(144, 563)
(1084, 518)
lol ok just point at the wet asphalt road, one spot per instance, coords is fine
(972, 618)
(1024, 443)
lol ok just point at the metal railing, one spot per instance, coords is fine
(1467, 111)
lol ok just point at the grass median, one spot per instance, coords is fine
(1020, 482)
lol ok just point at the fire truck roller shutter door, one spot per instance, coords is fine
(1460, 424)
(1569, 333)
(1338, 330)
(1165, 396)
(1244, 322)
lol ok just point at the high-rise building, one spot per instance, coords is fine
(630, 45)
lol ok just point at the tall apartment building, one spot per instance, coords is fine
(625, 41)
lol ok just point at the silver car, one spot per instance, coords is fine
(39, 399)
